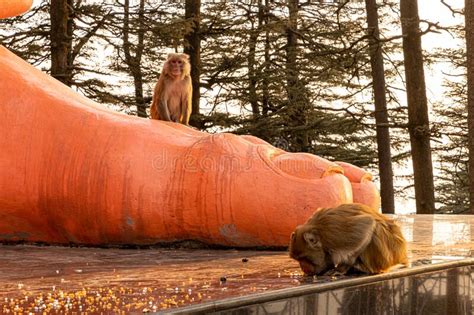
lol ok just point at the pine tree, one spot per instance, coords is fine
(381, 114)
(418, 122)
(469, 22)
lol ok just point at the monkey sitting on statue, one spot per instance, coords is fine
(173, 91)
(335, 240)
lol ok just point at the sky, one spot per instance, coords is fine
(435, 11)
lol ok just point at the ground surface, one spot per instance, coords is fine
(58, 279)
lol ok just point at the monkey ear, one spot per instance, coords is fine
(312, 239)
(185, 56)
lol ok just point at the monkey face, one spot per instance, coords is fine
(176, 67)
(306, 248)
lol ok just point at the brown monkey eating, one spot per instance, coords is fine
(173, 91)
(334, 240)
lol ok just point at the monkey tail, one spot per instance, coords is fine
(154, 113)
(154, 110)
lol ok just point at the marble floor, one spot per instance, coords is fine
(59, 279)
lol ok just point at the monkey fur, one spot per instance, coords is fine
(355, 236)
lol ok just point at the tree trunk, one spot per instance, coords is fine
(134, 62)
(469, 16)
(70, 32)
(61, 41)
(418, 121)
(193, 49)
(295, 91)
(253, 99)
(263, 17)
(138, 76)
(381, 115)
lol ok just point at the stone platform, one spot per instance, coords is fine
(93, 280)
